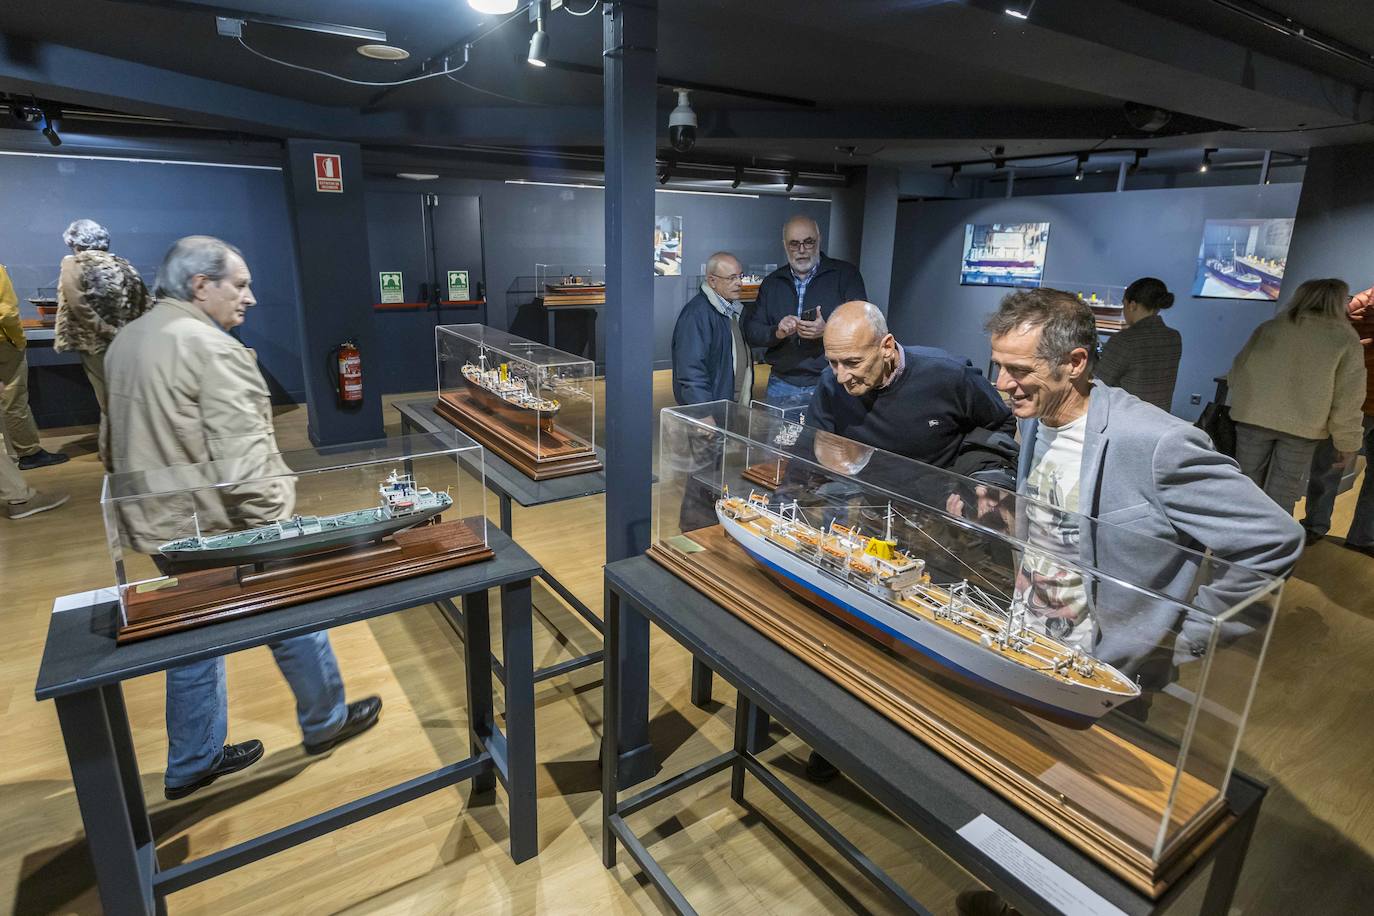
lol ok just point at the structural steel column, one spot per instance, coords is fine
(630, 33)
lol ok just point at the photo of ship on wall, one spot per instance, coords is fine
(1242, 258)
(1004, 254)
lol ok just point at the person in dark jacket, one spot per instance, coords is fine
(1142, 358)
(711, 359)
(793, 305)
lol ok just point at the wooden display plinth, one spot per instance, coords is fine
(553, 454)
(194, 599)
(1098, 790)
(573, 299)
(767, 474)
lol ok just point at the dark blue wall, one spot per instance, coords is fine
(147, 206)
(1335, 223)
(1106, 238)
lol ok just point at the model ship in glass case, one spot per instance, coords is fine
(957, 627)
(528, 403)
(402, 505)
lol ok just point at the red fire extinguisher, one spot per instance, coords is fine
(348, 379)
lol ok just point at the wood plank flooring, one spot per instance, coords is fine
(1310, 735)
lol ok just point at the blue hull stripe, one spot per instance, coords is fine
(1019, 699)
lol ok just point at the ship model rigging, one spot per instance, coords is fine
(956, 628)
(502, 392)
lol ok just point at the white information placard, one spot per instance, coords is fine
(1066, 893)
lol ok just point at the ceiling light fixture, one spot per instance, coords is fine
(554, 184)
(1078, 170)
(417, 176)
(739, 177)
(383, 52)
(667, 172)
(1135, 163)
(1020, 10)
(740, 194)
(538, 55)
(494, 7)
(791, 180)
(954, 172)
(1206, 160)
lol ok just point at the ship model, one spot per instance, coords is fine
(501, 392)
(957, 628)
(1234, 273)
(1269, 271)
(998, 259)
(575, 283)
(401, 505)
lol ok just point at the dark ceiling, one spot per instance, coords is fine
(905, 82)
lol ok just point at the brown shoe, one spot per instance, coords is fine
(38, 502)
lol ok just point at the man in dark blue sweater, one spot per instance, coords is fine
(794, 302)
(916, 401)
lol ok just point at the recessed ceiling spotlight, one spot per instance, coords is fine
(383, 52)
(417, 176)
(1021, 10)
(494, 7)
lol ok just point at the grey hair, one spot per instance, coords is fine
(195, 255)
(876, 320)
(1325, 298)
(714, 261)
(85, 234)
(803, 218)
(1066, 321)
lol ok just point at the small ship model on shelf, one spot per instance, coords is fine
(401, 505)
(957, 628)
(500, 391)
(572, 283)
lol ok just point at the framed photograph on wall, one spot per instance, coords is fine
(1004, 254)
(667, 246)
(1242, 258)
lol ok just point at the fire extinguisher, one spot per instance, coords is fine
(347, 372)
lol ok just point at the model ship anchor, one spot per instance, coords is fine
(957, 628)
(401, 505)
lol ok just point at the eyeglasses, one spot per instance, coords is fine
(733, 278)
(802, 245)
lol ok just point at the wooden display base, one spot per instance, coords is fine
(767, 474)
(561, 455)
(573, 299)
(1098, 790)
(197, 598)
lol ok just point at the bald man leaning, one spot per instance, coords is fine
(794, 302)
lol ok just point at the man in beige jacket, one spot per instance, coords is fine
(21, 432)
(183, 391)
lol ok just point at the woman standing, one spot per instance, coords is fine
(1142, 358)
(1299, 379)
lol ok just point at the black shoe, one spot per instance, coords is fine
(362, 715)
(982, 903)
(1312, 537)
(818, 769)
(233, 758)
(42, 459)
(1366, 549)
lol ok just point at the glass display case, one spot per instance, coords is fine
(1104, 299)
(258, 529)
(530, 404)
(1097, 678)
(573, 283)
(749, 285)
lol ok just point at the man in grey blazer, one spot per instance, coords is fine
(1143, 493)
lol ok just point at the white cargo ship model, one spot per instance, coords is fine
(956, 628)
(507, 395)
(401, 505)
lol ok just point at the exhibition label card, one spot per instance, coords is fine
(1062, 890)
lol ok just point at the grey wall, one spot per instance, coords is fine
(1105, 238)
(147, 206)
(1335, 223)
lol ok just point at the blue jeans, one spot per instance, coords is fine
(784, 394)
(198, 704)
(1321, 492)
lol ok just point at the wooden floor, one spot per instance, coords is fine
(1311, 735)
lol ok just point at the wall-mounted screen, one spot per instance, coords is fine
(1004, 254)
(668, 246)
(1242, 258)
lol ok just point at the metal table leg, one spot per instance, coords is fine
(610, 727)
(123, 865)
(631, 652)
(476, 627)
(522, 773)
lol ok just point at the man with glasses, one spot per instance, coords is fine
(711, 359)
(788, 318)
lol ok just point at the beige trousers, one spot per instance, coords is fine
(21, 432)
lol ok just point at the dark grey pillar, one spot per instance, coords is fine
(1334, 219)
(630, 32)
(880, 233)
(844, 239)
(336, 291)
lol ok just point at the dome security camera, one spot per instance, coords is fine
(682, 124)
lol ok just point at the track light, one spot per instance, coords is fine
(954, 173)
(791, 180)
(539, 46)
(1078, 170)
(49, 130)
(1021, 10)
(494, 7)
(1206, 160)
(1135, 163)
(667, 172)
(739, 176)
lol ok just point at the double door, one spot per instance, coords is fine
(421, 237)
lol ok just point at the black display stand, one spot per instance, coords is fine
(83, 669)
(913, 782)
(508, 483)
